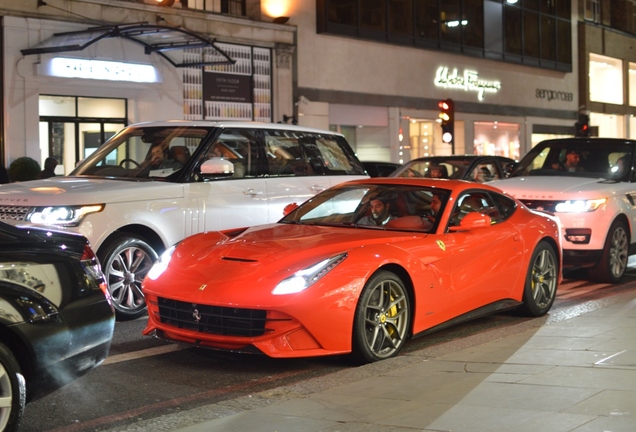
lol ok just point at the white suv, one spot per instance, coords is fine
(589, 184)
(204, 176)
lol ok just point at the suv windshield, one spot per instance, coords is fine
(144, 152)
(595, 158)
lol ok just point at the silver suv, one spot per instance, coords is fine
(153, 184)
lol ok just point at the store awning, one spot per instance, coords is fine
(169, 42)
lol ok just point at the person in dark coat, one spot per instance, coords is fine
(49, 168)
(4, 175)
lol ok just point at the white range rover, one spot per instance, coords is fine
(153, 184)
(594, 199)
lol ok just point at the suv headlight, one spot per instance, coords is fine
(65, 216)
(579, 206)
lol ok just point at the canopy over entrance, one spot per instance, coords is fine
(167, 41)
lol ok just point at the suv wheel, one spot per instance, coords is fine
(613, 263)
(126, 259)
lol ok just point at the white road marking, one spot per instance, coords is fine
(143, 353)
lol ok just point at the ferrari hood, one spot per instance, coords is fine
(284, 243)
(556, 188)
(82, 190)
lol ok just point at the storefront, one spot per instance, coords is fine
(488, 117)
(384, 96)
(69, 87)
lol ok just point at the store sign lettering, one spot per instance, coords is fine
(467, 81)
(105, 70)
(551, 95)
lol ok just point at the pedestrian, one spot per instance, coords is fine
(4, 175)
(24, 169)
(49, 168)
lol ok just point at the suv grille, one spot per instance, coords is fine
(212, 319)
(13, 212)
(543, 205)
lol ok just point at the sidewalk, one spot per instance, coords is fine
(554, 374)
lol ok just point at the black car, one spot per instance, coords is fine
(56, 316)
(479, 168)
(380, 169)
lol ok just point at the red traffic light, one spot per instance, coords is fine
(444, 105)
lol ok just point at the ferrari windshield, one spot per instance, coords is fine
(369, 206)
(596, 158)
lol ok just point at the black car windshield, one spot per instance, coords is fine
(594, 158)
(369, 206)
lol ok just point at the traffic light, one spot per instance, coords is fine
(447, 115)
(582, 127)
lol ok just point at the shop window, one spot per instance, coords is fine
(342, 12)
(497, 139)
(232, 7)
(606, 79)
(60, 106)
(451, 21)
(531, 34)
(400, 17)
(512, 30)
(548, 33)
(609, 125)
(632, 84)
(373, 14)
(521, 32)
(473, 23)
(426, 19)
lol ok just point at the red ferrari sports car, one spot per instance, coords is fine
(360, 268)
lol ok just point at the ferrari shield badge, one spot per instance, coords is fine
(441, 245)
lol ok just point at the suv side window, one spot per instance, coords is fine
(285, 155)
(240, 147)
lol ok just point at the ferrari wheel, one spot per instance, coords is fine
(611, 267)
(382, 319)
(12, 390)
(541, 281)
(126, 259)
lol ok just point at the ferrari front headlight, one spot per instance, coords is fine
(579, 206)
(305, 278)
(64, 216)
(161, 264)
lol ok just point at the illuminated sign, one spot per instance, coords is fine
(103, 70)
(468, 81)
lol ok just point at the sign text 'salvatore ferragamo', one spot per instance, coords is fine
(467, 81)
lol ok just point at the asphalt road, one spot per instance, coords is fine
(144, 378)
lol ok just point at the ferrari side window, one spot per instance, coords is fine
(505, 206)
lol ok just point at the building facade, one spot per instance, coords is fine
(76, 72)
(376, 70)
(517, 72)
(607, 66)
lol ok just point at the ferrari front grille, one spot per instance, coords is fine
(212, 319)
(10, 212)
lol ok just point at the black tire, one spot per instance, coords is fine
(12, 391)
(611, 268)
(382, 319)
(125, 260)
(542, 281)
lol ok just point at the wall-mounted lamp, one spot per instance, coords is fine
(281, 20)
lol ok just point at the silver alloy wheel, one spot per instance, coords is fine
(6, 397)
(544, 278)
(618, 252)
(386, 318)
(127, 262)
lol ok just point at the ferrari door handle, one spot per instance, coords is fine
(317, 188)
(252, 192)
